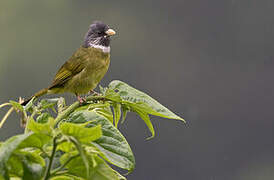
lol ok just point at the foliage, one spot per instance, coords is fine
(76, 141)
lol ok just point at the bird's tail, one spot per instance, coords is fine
(36, 95)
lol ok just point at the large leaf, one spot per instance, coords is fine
(33, 165)
(45, 128)
(112, 144)
(27, 165)
(99, 169)
(132, 95)
(6, 151)
(15, 167)
(100, 108)
(81, 133)
(35, 140)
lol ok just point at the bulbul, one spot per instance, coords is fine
(86, 67)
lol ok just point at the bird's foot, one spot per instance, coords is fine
(81, 100)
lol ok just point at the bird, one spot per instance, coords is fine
(82, 72)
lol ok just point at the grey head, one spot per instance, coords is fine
(98, 35)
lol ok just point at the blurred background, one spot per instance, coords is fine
(211, 62)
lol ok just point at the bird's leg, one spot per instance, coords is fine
(80, 99)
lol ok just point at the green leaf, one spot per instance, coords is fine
(104, 111)
(33, 165)
(112, 95)
(17, 106)
(146, 119)
(102, 90)
(102, 171)
(14, 178)
(132, 95)
(32, 171)
(48, 103)
(43, 118)
(68, 155)
(15, 167)
(101, 108)
(99, 169)
(62, 178)
(7, 149)
(125, 110)
(113, 145)
(66, 146)
(83, 155)
(117, 113)
(120, 177)
(35, 140)
(81, 133)
(28, 107)
(41, 128)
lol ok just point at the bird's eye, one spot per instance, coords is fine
(99, 33)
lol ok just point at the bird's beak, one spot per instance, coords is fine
(110, 32)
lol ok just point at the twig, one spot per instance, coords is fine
(5, 104)
(6, 116)
(47, 175)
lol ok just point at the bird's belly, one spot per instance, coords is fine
(87, 80)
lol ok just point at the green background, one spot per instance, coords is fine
(211, 62)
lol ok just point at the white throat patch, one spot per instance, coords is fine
(103, 48)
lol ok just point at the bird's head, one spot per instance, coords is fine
(98, 35)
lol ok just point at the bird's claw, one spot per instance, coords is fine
(81, 100)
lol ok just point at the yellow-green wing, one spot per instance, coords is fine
(72, 67)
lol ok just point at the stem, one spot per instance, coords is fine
(5, 104)
(47, 175)
(72, 107)
(26, 126)
(63, 165)
(6, 117)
